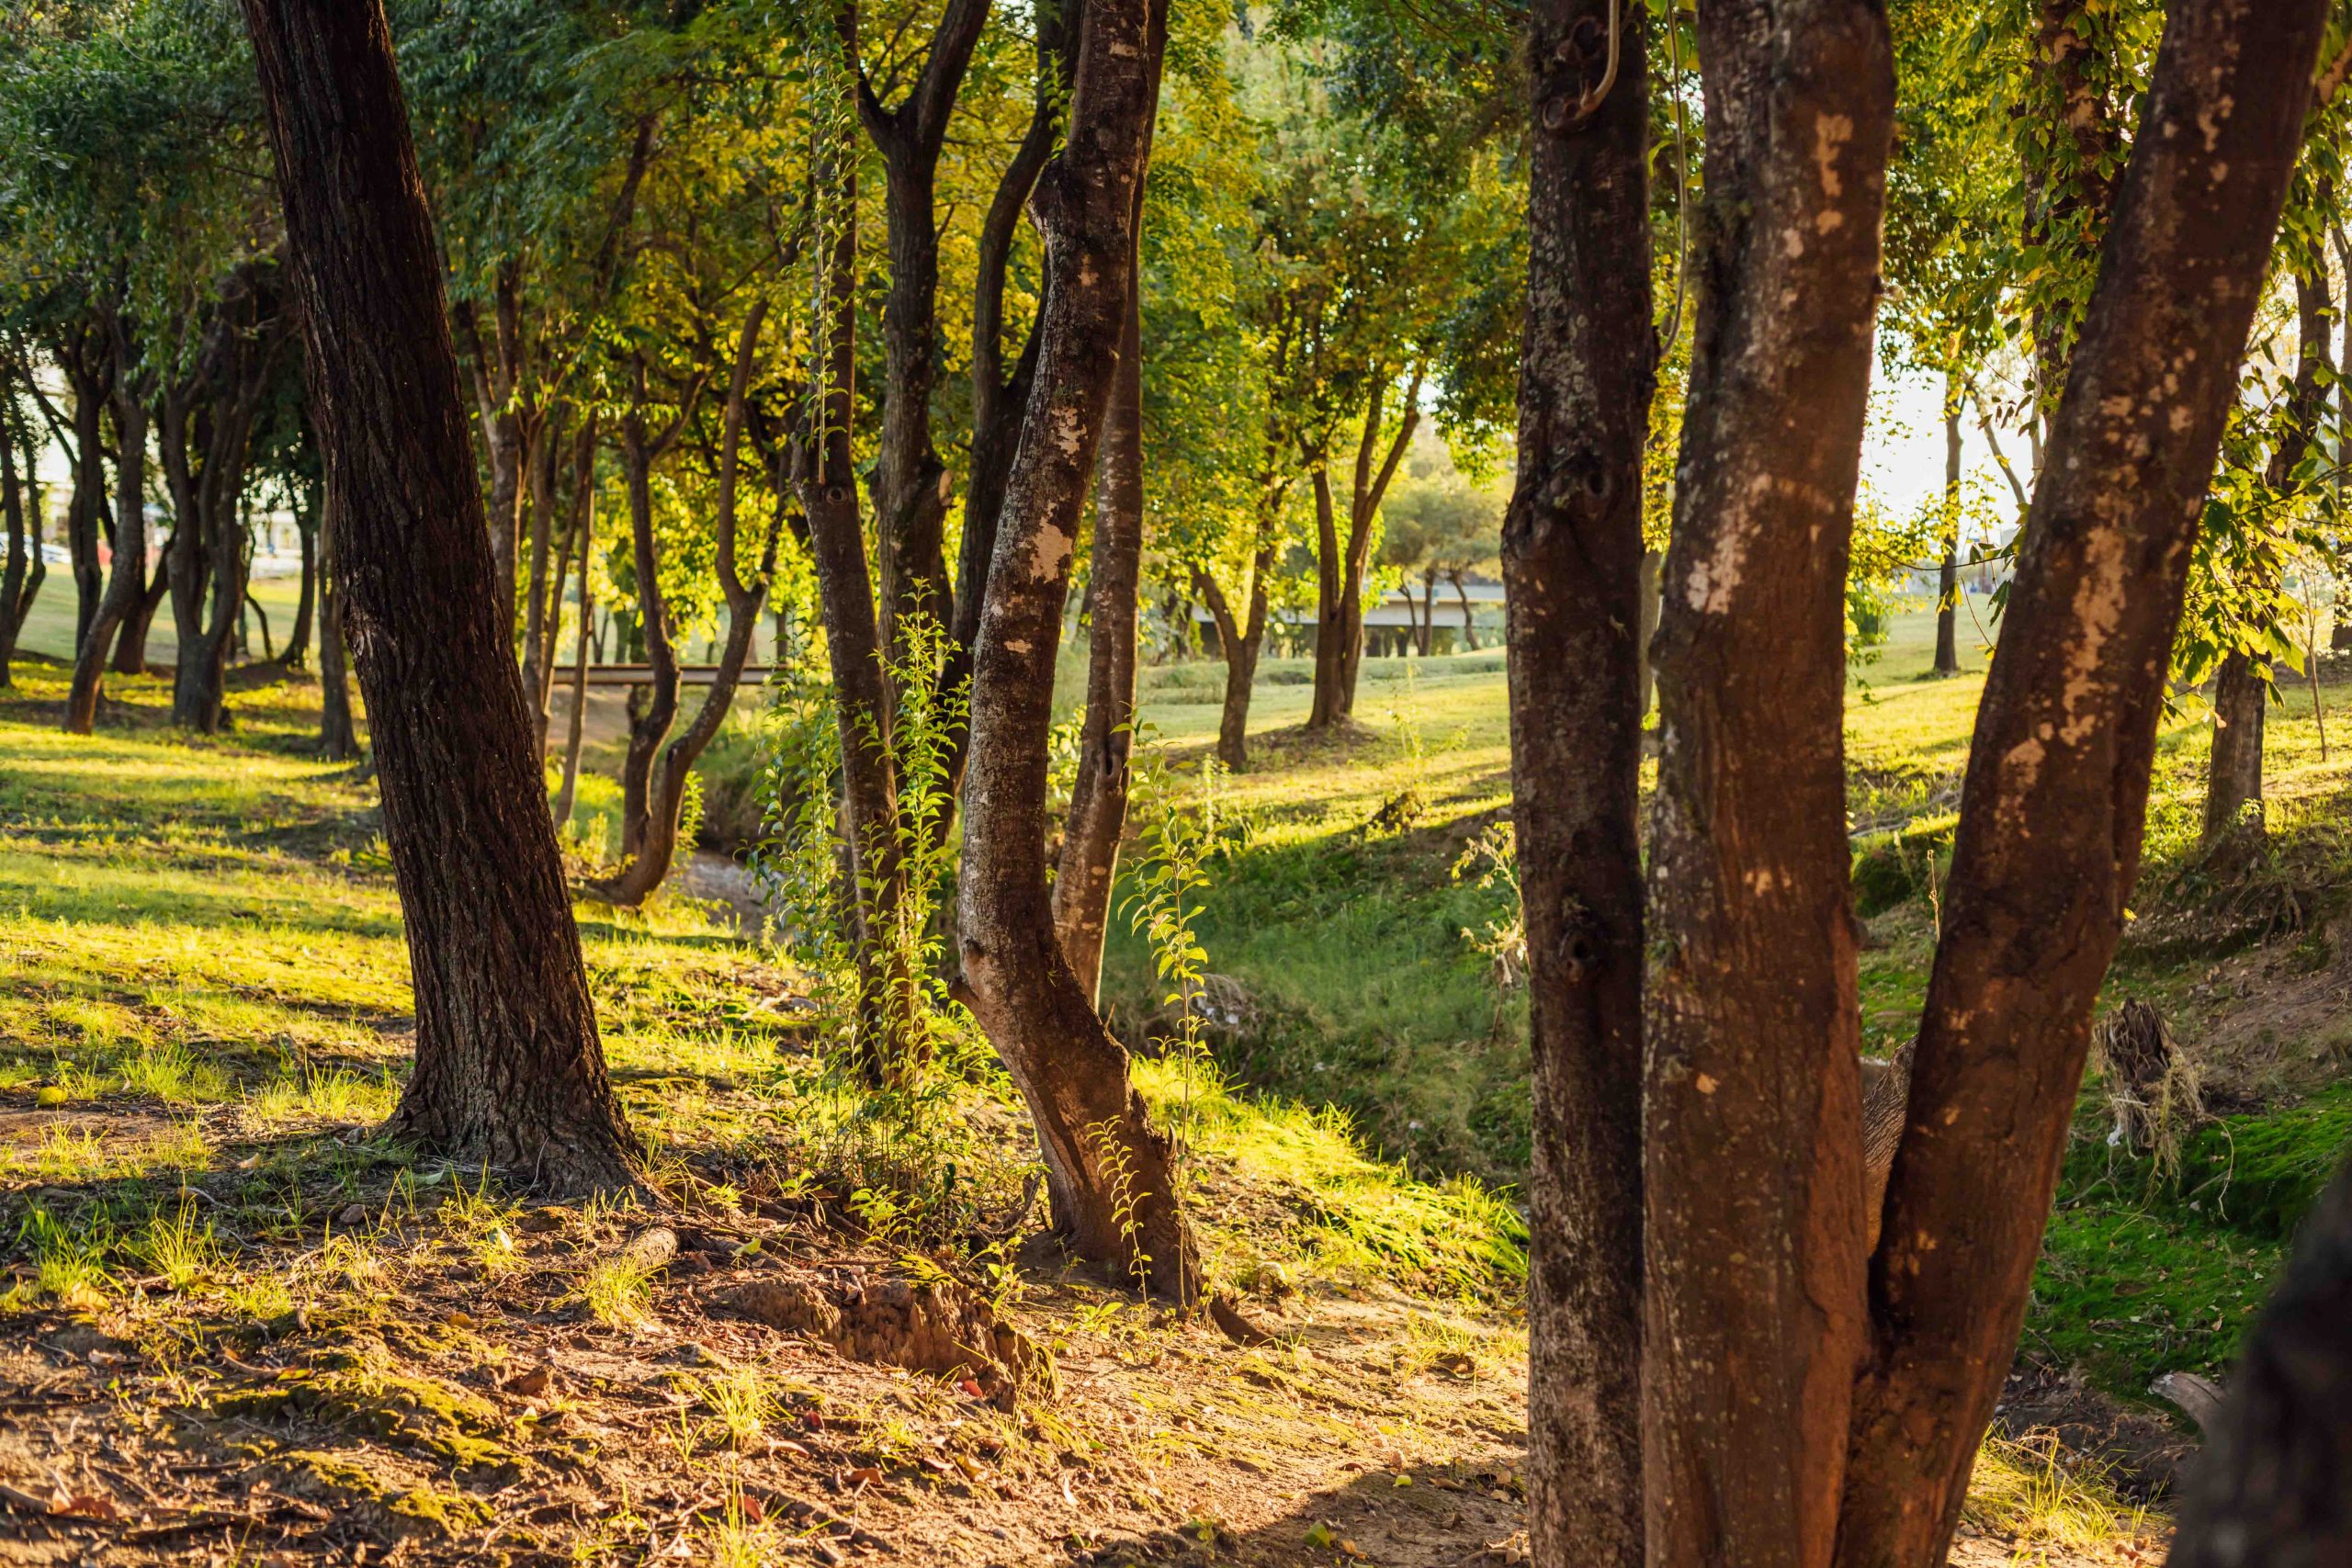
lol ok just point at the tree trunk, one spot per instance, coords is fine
(21, 576)
(1115, 1167)
(575, 721)
(1572, 561)
(131, 643)
(1653, 570)
(1753, 1168)
(2233, 817)
(88, 370)
(338, 740)
(1241, 641)
(575, 550)
(650, 719)
(1097, 804)
(657, 843)
(1340, 564)
(508, 1068)
(538, 462)
(888, 1042)
(2055, 795)
(912, 486)
(1469, 621)
(297, 637)
(127, 582)
(1948, 583)
(2271, 1486)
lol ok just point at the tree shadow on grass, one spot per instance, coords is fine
(1456, 1515)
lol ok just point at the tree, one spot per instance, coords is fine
(1112, 1170)
(508, 1066)
(1572, 551)
(23, 567)
(1439, 526)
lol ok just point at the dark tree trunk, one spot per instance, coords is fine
(539, 478)
(2273, 1488)
(650, 718)
(87, 360)
(338, 740)
(1753, 1167)
(999, 399)
(1469, 621)
(131, 644)
(1097, 804)
(127, 582)
(575, 552)
(1948, 582)
(508, 1068)
(2233, 816)
(575, 721)
(825, 477)
(298, 636)
(20, 577)
(1572, 576)
(1653, 570)
(1241, 641)
(665, 789)
(1115, 1170)
(1340, 562)
(2055, 796)
(497, 372)
(911, 484)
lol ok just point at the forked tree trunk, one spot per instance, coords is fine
(1572, 558)
(1948, 579)
(657, 838)
(127, 582)
(1113, 1168)
(86, 360)
(1340, 560)
(912, 486)
(2055, 795)
(651, 716)
(2233, 817)
(1753, 1168)
(131, 643)
(2270, 1489)
(338, 738)
(1469, 621)
(508, 1068)
(575, 721)
(1098, 803)
(1240, 639)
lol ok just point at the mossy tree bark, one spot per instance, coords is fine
(508, 1068)
(2055, 795)
(1572, 557)
(1115, 1169)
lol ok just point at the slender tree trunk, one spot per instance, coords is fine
(131, 644)
(538, 462)
(1572, 559)
(2055, 796)
(1469, 621)
(1240, 640)
(508, 1068)
(2270, 1488)
(1948, 583)
(1753, 1167)
(1340, 564)
(297, 637)
(1653, 570)
(1114, 1168)
(657, 843)
(1098, 806)
(650, 718)
(575, 721)
(85, 518)
(576, 541)
(2233, 816)
(824, 478)
(20, 576)
(127, 582)
(338, 740)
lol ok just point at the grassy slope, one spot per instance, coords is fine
(1348, 945)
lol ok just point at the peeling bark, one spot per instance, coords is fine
(2055, 795)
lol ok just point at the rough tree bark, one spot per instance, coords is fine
(1753, 1169)
(1340, 564)
(127, 582)
(657, 835)
(1114, 1168)
(1948, 577)
(2055, 795)
(2271, 1488)
(1097, 802)
(2233, 816)
(912, 486)
(508, 1068)
(1572, 558)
